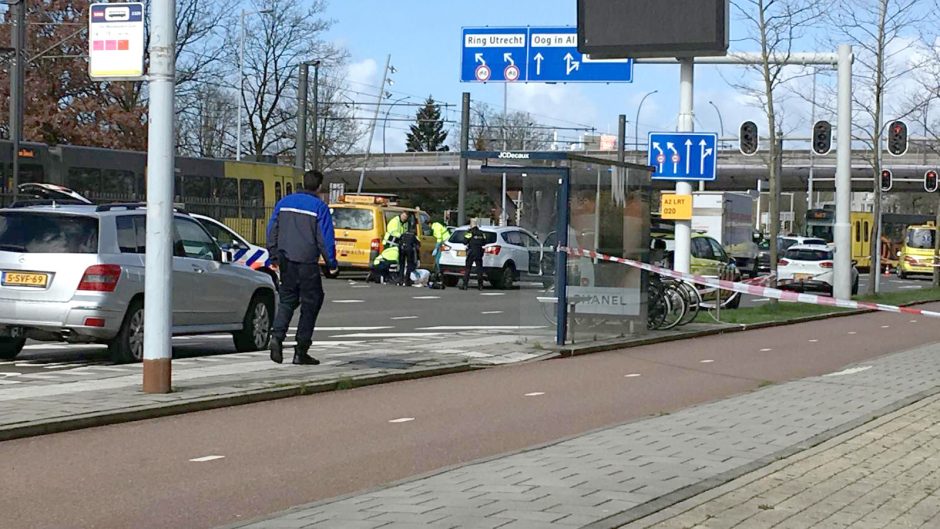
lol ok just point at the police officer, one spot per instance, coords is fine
(408, 257)
(382, 265)
(299, 233)
(395, 229)
(475, 240)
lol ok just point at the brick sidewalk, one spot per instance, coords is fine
(615, 476)
(885, 474)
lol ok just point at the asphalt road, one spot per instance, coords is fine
(888, 284)
(215, 467)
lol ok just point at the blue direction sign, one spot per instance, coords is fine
(542, 55)
(554, 58)
(493, 54)
(683, 155)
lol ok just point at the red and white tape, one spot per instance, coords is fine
(752, 289)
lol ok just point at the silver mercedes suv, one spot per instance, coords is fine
(75, 273)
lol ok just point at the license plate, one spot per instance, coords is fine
(802, 277)
(461, 253)
(24, 279)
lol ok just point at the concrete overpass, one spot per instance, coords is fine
(736, 172)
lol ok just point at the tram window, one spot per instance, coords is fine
(252, 192)
(227, 189)
(290, 188)
(197, 186)
(866, 232)
(177, 187)
(117, 182)
(858, 231)
(277, 191)
(84, 180)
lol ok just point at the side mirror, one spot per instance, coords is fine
(227, 257)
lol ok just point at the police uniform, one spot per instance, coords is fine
(300, 232)
(475, 239)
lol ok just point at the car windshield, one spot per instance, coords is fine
(353, 219)
(27, 232)
(822, 231)
(920, 238)
(810, 242)
(458, 236)
(808, 254)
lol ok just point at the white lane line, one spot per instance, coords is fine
(353, 328)
(425, 297)
(915, 287)
(61, 366)
(766, 350)
(813, 340)
(9, 382)
(913, 321)
(205, 458)
(405, 318)
(403, 419)
(761, 300)
(885, 326)
(852, 332)
(631, 375)
(492, 312)
(387, 335)
(349, 301)
(535, 394)
(362, 286)
(706, 361)
(849, 371)
(493, 294)
(487, 327)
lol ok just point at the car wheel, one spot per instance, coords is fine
(505, 278)
(451, 281)
(256, 331)
(128, 345)
(10, 347)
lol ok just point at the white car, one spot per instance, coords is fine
(243, 253)
(511, 254)
(809, 267)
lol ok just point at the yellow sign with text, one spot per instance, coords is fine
(676, 207)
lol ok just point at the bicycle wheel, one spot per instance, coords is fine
(675, 302)
(658, 308)
(693, 302)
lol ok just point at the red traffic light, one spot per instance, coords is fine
(886, 180)
(930, 181)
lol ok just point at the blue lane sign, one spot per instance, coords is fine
(545, 55)
(683, 155)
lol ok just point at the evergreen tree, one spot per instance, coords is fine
(428, 133)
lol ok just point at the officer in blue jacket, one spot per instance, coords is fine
(299, 233)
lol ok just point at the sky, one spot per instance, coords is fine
(423, 38)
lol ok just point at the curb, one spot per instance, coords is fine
(90, 420)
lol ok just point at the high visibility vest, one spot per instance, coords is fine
(388, 254)
(440, 232)
(395, 228)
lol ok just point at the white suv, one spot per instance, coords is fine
(511, 254)
(75, 273)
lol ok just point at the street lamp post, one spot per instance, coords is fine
(241, 77)
(384, 122)
(301, 141)
(636, 127)
(721, 122)
(17, 71)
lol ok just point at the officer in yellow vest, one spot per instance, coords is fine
(382, 265)
(395, 229)
(441, 235)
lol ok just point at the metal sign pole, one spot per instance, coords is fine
(683, 234)
(842, 271)
(158, 282)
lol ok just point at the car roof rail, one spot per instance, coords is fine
(179, 208)
(25, 203)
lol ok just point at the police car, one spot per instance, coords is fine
(243, 252)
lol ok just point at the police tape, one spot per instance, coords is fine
(750, 288)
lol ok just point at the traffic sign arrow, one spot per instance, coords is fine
(705, 153)
(688, 154)
(507, 57)
(571, 64)
(479, 58)
(538, 63)
(675, 155)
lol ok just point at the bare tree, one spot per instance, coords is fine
(774, 26)
(491, 130)
(206, 125)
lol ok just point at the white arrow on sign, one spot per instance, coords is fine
(705, 153)
(675, 154)
(507, 57)
(661, 154)
(478, 57)
(571, 64)
(538, 63)
(688, 154)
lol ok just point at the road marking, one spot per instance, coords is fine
(535, 394)
(849, 371)
(706, 361)
(388, 335)
(885, 326)
(362, 286)
(852, 332)
(487, 327)
(761, 300)
(492, 312)
(353, 328)
(405, 318)
(631, 375)
(766, 350)
(425, 297)
(349, 301)
(813, 340)
(9, 382)
(493, 294)
(403, 419)
(912, 286)
(205, 458)
(913, 321)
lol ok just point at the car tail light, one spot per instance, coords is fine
(492, 250)
(100, 278)
(94, 322)
(376, 245)
(826, 264)
(783, 262)
(445, 248)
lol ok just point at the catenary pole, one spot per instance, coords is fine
(158, 282)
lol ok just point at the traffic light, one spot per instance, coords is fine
(897, 138)
(748, 138)
(822, 137)
(886, 180)
(930, 181)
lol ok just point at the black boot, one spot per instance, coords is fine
(301, 357)
(277, 350)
